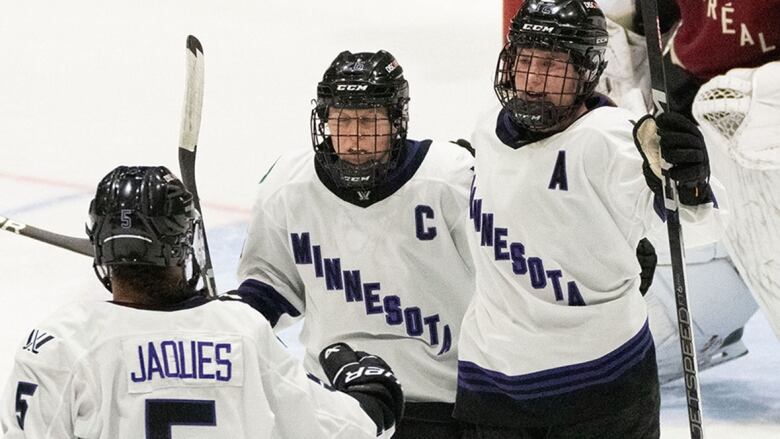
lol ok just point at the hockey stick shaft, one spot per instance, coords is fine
(188, 143)
(676, 246)
(81, 246)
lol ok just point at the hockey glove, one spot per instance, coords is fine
(645, 254)
(366, 378)
(681, 144)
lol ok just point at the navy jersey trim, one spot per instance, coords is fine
(264, 299)
(581, 405)
(414, 154)
(559, 380)
(659, 207)
(514, 136)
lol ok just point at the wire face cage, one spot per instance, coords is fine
(358, 145)
(543, 83)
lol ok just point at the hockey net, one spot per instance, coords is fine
(738, 114)
(726, 122)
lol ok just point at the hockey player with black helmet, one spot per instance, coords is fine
(556, 342)
(360, 120)
(161, 356)
(150, 242)
(365, 236)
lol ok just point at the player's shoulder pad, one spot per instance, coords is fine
(289, 167)
(608, 127)
(292, 168)
(448, 160)
(608, 118)
(242, 312)
(448, 167)
(62, 338)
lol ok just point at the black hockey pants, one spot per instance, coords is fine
(428, 420)
(640, 420)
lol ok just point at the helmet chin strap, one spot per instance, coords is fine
(539, 115)
(104, 277)
(196, 275)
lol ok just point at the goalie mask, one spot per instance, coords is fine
(359, 123)
(143, 216)
(551, 63)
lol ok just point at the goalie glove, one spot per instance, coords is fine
(366, 378)
(680, 143)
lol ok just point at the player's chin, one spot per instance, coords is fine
(532, 96)
(364, 160)
(357, 162)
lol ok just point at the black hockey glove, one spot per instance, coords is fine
(678, 140)
(366, 378)
(645, 253)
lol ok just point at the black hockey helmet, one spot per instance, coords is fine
(363, 80)
(142, 216)
(568, 33)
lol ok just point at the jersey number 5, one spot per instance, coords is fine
(23, 389)
(162, 414)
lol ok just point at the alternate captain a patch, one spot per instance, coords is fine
(558, 179)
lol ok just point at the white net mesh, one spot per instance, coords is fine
(722, 93)
(740, 111)
(726, 122)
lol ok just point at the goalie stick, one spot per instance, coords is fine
(188, 144)
(676, 248)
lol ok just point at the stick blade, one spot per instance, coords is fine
(193, 95)
(194, 46)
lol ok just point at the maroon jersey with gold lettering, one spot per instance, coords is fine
(717, 35)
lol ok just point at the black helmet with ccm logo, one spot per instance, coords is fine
(364, 80)
(573, 30)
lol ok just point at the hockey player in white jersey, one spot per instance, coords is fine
(721, 299)
(161, 360)
(556, 341)
(366, 235)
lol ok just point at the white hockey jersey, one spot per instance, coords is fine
(557, 308)
(391, 277)
(100, 370)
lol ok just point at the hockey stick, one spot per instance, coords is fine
(81, 246)
(188, 143)
(676, 247)
(188, 139)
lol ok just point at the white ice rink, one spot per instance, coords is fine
(87, 85)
